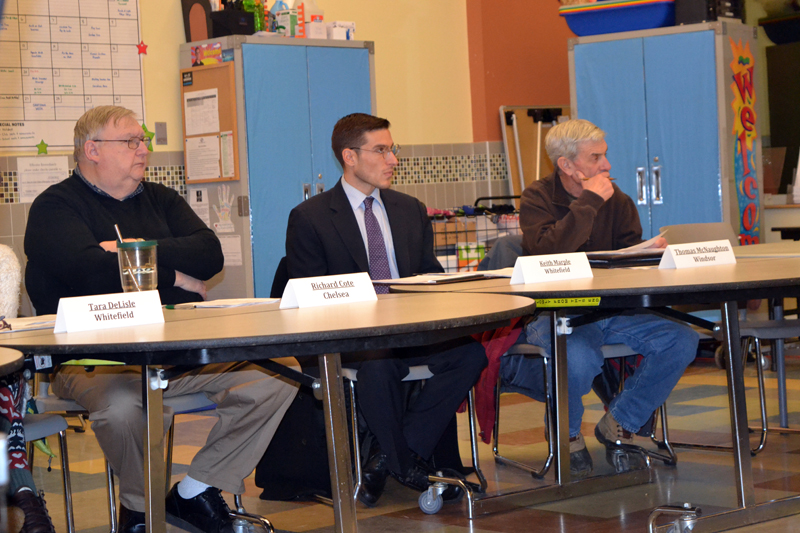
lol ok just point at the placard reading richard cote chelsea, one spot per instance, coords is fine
(702, 254)
(103, 311)
(330, 288)
(555, 266)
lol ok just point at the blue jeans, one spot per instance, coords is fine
(668, 348)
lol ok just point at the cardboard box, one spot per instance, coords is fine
(452, 232)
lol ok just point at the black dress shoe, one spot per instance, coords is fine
(373, 479)
(453, 493)
(130, 521)
(205, 513)
(415, 478)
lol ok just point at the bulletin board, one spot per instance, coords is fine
(210, 137)
(524, 144)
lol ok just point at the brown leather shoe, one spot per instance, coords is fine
(37, 520)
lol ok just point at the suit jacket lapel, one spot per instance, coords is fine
(399, 228)
(345, 223)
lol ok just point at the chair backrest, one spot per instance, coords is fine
(503, 254)
(10, 279)
(280, 280)
(708, 231)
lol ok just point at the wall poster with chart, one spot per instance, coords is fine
(60, 58)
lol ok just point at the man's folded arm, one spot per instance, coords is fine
(543, 233)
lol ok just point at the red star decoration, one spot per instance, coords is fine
(142, 47)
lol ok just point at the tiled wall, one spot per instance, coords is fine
(442, 176)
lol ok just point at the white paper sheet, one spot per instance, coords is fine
(201, 109)
(35, 174)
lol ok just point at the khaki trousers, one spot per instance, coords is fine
(250, 404)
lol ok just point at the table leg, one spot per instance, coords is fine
(745, 493)
(561, 399)
(344, 505)
(154, 469)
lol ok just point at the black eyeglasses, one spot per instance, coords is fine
(133, 142)
(382, 150)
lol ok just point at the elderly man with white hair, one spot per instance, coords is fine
(578, 208)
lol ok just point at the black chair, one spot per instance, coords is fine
(280, 280)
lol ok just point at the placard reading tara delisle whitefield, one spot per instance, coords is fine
(698, 254)
(104, 311)
(541, 268)
(328, 290)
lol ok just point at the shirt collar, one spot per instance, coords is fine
(356, 197)
(100, 191)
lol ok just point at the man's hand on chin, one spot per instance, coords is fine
(600, 184)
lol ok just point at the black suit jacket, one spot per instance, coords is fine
(323, 238)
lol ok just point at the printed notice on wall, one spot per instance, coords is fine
(59, 59)
(202, 158)
(198, 201)
(231, 249)
(35, 174)
(226, 147)
(201, 109)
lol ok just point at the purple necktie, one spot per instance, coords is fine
(378, 260)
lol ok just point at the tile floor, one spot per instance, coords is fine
(698, 412)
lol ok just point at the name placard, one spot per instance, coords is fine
(556, 267)
(105, 311)
(698, 254)
(328, 290)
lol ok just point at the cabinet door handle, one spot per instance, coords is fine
(641, 187)
(655, 171)
(306, 191)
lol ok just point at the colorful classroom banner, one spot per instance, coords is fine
(744, 136)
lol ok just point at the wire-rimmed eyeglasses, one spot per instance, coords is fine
(382, 150)
(133, 142)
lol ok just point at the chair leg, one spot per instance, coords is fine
(548, 419)
(354, 435)
(670, 458)
(62, 443)
(168, 462)
(473, 439)
(112, 498)
(241, 514)
(762, 399)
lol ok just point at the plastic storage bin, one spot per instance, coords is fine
(612, 16)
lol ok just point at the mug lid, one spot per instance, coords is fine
(136, 244)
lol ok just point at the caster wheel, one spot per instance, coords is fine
(430, 503)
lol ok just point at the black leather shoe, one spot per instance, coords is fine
(373, 478)
(453, 493)
(130, 521)
(415, 478)
(205, 513)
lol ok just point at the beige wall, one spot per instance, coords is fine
(421, 65)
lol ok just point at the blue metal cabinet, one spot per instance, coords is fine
(656, 98)
(293, 97)
(289, 95)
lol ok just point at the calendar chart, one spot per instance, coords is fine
(60, 58)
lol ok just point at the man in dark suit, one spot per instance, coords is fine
(362, 226)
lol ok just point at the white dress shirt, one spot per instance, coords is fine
(356, 199)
